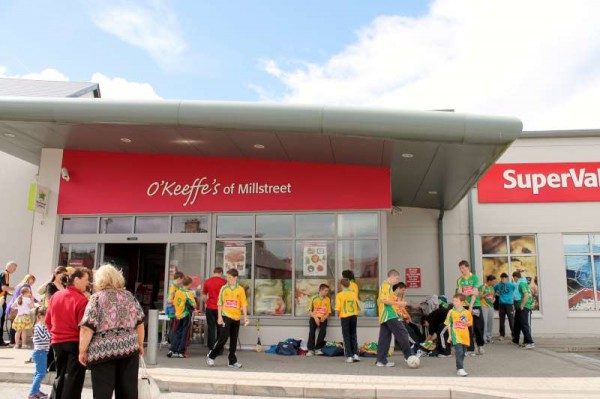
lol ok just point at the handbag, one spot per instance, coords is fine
(147, 387)
(12, 315)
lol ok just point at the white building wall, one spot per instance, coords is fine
(15, 220)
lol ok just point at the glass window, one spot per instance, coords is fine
(362, 258)
(273, 278)
(494, 245)
(190, 259)
(315, 225)
(79, 226)
(315, 265)
(508, 254)
(116, 225)
(358, 225)
(235, 226)
(151, 224)
(268, 226)
(582, 261)
(77, 255)
(283, 258)
(190, 224)
(238, 255)
(522, 244)
(576, 244)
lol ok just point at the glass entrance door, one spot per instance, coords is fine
(190, 259)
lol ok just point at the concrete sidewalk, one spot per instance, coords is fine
(505, 371)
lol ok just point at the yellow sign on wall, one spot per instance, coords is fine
(38, 198)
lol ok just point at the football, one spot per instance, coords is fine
(413, 362)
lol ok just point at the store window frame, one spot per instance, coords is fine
(591, 254)
(294, 239)
(510, 255)
(99, 238)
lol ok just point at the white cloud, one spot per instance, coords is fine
(152, 26)
(117, 88)
(46, 74)
(537, 60)
(123, 89)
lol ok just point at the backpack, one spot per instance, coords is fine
(333, 348)
(289, 347)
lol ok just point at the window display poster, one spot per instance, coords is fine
(234, 257)
(315, 259)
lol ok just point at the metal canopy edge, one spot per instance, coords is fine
(435, 157)
(347, 121)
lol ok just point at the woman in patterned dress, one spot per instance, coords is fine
(112, 336)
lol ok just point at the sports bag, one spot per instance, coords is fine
(333, 348)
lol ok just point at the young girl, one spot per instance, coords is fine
(41, 345)
(22, 323)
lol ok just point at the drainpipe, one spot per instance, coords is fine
(441, 252)
(471, 234)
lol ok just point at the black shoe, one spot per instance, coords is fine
(3, 343)
(169, 354)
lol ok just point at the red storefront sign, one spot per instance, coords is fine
(114, 183)
(413, 277)
(541, 182)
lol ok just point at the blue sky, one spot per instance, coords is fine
(226, 41)
(536, 60)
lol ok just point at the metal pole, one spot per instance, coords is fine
(152, 348)
(441, 255)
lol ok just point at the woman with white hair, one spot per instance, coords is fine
(112, 336)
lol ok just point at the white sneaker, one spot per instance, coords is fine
(528, 346)
(462, 373)
(236, 365)
(210, 361)
(470, 353)
(356, 358)
(388, 364)
(480, 350)
(310, 353)
(349, 360)
(318, 352)
(500, 338)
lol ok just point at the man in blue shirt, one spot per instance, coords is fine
(505, 291)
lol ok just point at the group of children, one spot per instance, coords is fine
(180, 309)
(449, 326)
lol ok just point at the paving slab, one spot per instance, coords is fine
(505, 371)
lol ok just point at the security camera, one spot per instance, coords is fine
(396, 210)
(65, 174)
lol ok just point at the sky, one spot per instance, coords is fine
(536, 60)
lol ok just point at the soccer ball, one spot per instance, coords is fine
(413, 362)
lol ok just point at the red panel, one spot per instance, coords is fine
(103, 182)
(541, 182)
(413, 277)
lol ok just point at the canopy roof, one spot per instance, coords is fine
(434, 157)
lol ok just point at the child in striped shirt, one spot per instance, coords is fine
(41, 345)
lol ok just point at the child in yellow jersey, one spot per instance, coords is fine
(184, 302)
(319, 309)
(173, 287)
(231, 305)
(349, 274)
(346, 304)
(389, 322)
(459, 321)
